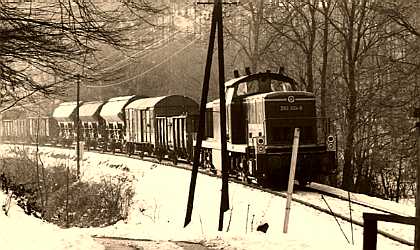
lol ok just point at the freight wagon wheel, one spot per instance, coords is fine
(128, 149)
(172, 155)
(159, 154)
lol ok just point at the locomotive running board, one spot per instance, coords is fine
(239, 148)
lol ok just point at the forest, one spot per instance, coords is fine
(360, 57)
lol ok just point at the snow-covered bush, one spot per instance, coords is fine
(91, 204)
(57, 195)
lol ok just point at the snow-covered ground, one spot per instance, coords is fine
(19, 231)
(159, 207)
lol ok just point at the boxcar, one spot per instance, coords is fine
(42, 130)
(113, 113)
(65, 115)
(92, 125)
(162, 125)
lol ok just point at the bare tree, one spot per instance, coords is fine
(47, 45)
(249, 33)
(297, 22)
(404, 13)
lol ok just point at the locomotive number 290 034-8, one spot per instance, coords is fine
(291, 108)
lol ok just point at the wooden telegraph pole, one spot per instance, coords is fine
(417, 115)
(217, 21)
(417, 228)
(77, 126)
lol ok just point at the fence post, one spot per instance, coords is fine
(370, 230)
(416, 114)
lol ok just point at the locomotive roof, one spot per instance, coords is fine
(251, 77)
(89, 111)
(111, 111)
(65, 111)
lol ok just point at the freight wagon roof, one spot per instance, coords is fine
(166, 105)
(65, 111)
(145, 103)
(112, 110)
(89, 111)
(13, 114)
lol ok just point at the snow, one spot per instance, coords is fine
(20, 231)
(158, 213)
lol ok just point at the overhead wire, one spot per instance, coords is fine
(142, 51)
(118, 66)
(146, 54)
(111, 55)
(148, 70)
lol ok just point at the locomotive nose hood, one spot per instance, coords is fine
(289, 96)
(286, 94)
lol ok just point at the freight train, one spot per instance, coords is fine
(263, 109)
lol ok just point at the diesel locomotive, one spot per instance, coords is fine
(263, 111)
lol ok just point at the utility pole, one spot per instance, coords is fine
(78, 126)
(201, 124)
(417, 228)
(417, 115)
(217, 21)
(224, 199)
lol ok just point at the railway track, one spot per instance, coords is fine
(355, 218)
(310, 196)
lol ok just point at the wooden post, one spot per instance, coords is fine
(201, 124)
(224, 199)
(370, 231)
(417, 227)
(224, 204)
(370, 227)
(77, 126)
(291, 178)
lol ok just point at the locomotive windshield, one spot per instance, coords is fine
(263, 85)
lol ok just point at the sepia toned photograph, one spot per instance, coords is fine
(209, 124)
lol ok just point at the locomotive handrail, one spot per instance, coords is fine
(267, 75)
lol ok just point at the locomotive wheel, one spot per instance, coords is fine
(303, 182)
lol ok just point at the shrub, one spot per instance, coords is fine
(87, 204)
(91, 204)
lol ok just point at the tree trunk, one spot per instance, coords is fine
(351, 52)
(398, 188)
(309, 56)
(326, 7)
(256, 21)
